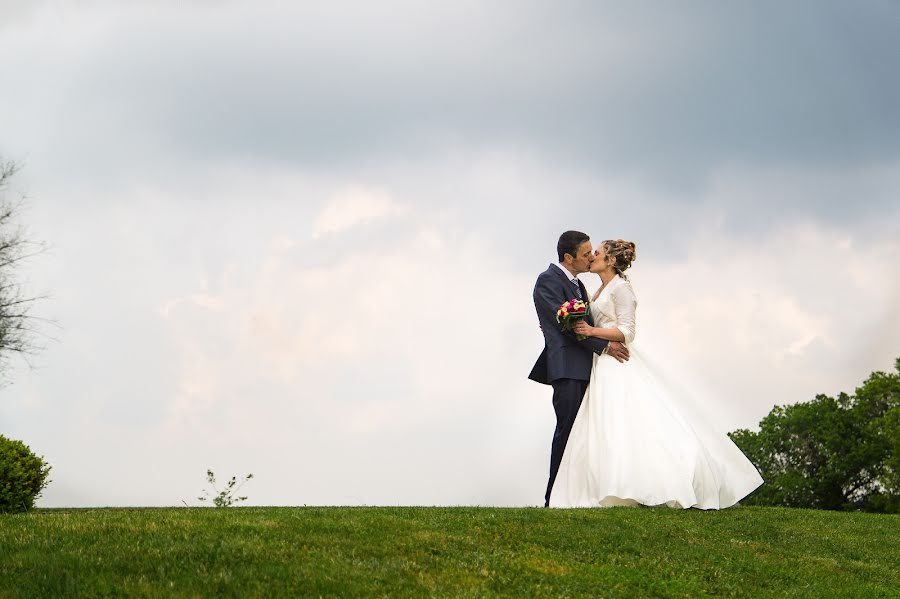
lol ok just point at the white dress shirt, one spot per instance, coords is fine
(572, 277)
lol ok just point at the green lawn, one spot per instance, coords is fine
(741, 551)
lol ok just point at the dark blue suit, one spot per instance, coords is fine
(565, 362)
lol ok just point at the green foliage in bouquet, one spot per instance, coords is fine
(835, 453)
(570, 313)
(23, 476)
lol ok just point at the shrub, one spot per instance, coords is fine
(23, 476)
(225, 497)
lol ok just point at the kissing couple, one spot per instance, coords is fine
(624, 436)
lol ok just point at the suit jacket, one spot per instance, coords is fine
(564, 357)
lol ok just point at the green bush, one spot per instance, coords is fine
(23, 476)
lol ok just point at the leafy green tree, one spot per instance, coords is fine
(831, 453)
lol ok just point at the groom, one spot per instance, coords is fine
(565, 363)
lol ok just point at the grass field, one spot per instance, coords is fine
(393, 552)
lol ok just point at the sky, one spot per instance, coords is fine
(299, 239)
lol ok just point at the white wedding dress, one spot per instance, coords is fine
(636, 441)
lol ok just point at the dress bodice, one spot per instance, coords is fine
(615, 307)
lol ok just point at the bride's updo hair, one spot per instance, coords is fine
(624, 253)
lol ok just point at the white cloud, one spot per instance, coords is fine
(395, 372)
(351, 207)
(771, 319)
(274, 245)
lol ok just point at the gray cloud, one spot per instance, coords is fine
(668, 95)
(191, 164)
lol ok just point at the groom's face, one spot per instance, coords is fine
(583, 258)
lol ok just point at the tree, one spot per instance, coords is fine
(23, 475)
(18, 326)
(831, 453)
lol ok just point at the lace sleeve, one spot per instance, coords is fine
(626, 305)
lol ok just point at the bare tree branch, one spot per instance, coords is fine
(19, 329)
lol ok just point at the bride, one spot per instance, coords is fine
(635, 440)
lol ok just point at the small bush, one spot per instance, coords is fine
(23, 476)
(225, 497)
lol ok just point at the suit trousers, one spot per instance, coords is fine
(567, 397)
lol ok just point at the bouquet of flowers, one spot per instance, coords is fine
(571, 312)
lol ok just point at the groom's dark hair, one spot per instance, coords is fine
(568, 243)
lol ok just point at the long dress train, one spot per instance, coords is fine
(637, 441)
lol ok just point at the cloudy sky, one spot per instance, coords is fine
(299, 239)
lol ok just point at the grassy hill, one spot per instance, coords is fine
(393, 552)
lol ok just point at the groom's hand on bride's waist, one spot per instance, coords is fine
(618, 351)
